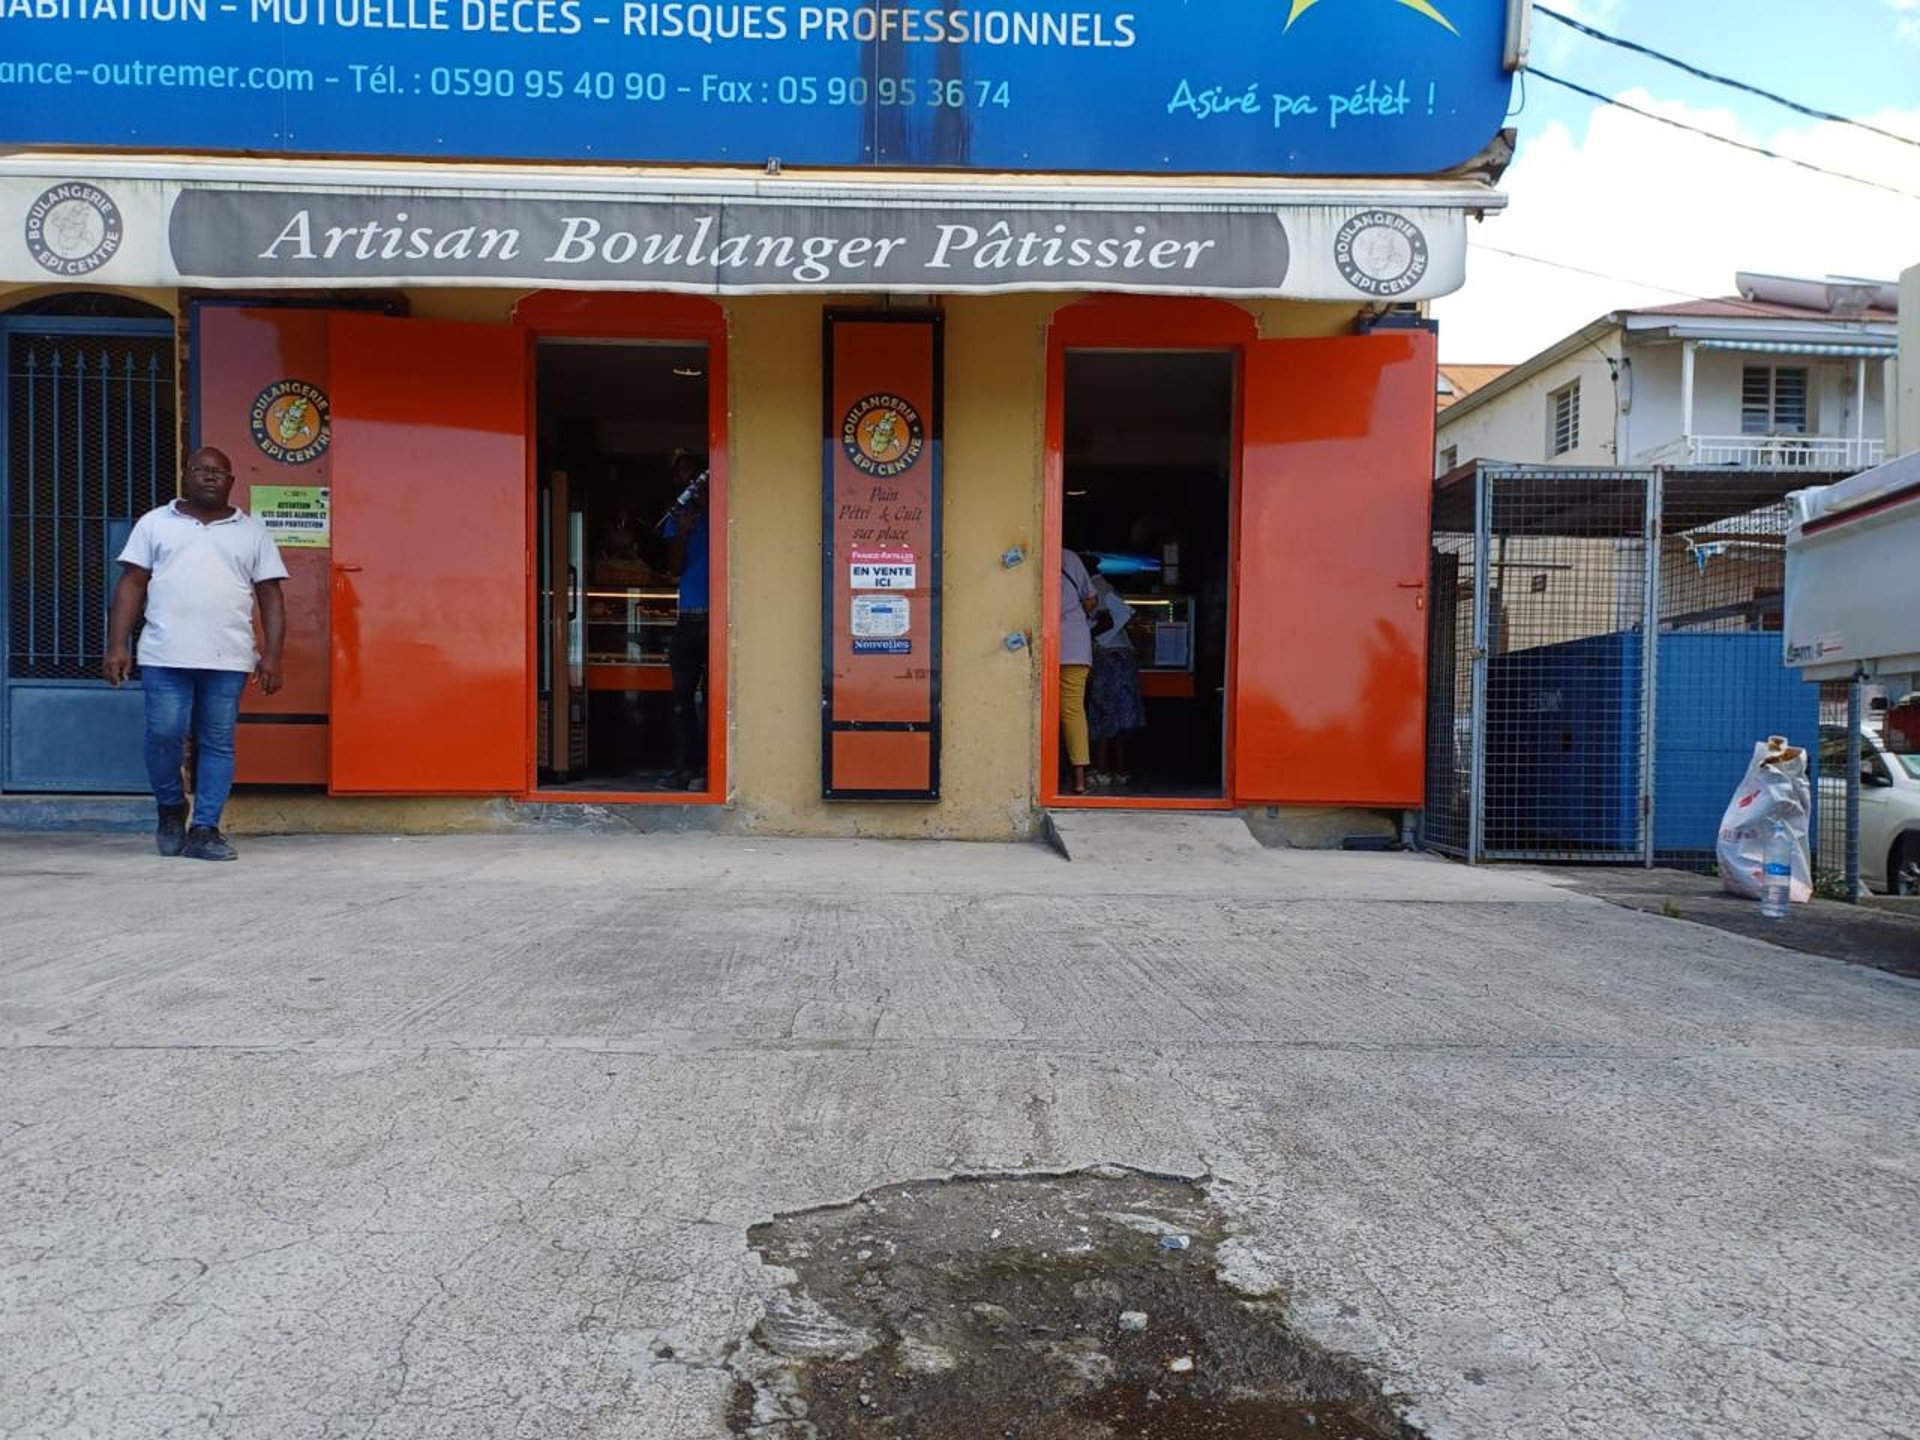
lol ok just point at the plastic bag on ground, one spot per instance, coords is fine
(1775, 788)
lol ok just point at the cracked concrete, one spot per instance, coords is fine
(463, 1137)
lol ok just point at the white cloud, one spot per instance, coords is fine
(1907, 27)
(1678, 212)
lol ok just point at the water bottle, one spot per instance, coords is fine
(1776, 882)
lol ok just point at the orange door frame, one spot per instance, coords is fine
(640, 316)
(1144, 323)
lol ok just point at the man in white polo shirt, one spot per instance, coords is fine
(194, 568)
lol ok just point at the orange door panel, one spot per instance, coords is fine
(1330, 651)
(429, 592)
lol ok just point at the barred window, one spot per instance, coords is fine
(90, 444)
(1563, 419)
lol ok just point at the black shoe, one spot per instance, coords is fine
(170, 836)
(206, 843)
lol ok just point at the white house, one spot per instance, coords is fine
(1906, 387)
(1788, 374)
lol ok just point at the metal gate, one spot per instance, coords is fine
(1605, 650)
(87, 415)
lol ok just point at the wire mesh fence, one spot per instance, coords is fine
(1563, 726)
(1829, 830)
(1536, 696)
(1452, 585)
(1724, 685)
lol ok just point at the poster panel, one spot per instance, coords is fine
(880, 555)
(295, 515)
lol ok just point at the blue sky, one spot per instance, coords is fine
(1667, 215)
(1841, 55)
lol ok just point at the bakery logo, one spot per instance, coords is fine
(1381, 253)
(73, 229)
(882, 436)
(289, 422)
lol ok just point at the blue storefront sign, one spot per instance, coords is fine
(1260, 87)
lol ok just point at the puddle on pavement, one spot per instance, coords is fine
(1010, 1308)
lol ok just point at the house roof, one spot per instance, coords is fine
(1723, 320)
(1733, 307)
(1459, 381)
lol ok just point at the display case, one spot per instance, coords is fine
(628, 631)
(1162, 632)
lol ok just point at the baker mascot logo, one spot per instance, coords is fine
(289, 422)
(1300, 7)
(882, 436)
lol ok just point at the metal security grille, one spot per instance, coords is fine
(1562, 726)
(90, 436)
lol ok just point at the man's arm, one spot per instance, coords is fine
(129, 604)
(273, 625)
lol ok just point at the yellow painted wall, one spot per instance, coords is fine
(1300, 320)
(995, 418)
(12, 294)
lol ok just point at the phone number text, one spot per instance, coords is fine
(486, 83)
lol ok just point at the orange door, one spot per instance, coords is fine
(430, 551)
(1330, 654)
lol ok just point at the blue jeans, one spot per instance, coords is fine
(207, 702)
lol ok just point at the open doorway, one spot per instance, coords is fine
(1148, 474)
(621, 596)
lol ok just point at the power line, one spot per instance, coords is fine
(1582, 270)
(1722, 139)
(1718, 79)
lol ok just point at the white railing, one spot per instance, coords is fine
(1771, 452)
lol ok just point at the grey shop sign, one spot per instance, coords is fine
(717, 245)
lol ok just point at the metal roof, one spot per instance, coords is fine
(1599, 502)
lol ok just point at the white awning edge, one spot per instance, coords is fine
(1817, 348)
(165, 221)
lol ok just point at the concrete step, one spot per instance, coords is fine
(1119, 837)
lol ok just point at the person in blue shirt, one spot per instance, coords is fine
(686, 532)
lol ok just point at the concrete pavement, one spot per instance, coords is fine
(1880, 931)
(462, 1136)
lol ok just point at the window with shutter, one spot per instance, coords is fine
(1563, 419)
(1756, 400)
(1773, 400)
